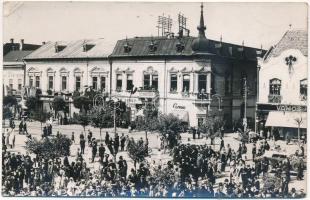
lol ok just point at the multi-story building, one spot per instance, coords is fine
(283, 83)
(60, 68)
(186, 76)
(14, 66)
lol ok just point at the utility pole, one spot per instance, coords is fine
(245, 99)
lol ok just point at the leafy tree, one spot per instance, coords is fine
(59, 104)
(83, 120)
(170, 126)
(49, 147)
(149, 122)
(9, 101)
(137, 151)
(100, 118)
(82, 102)
(32, 103)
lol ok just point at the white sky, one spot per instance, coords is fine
(255, 23)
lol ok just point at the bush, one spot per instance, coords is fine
(49, 147)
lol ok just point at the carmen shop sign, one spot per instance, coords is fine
(176, 106)
(293, 108)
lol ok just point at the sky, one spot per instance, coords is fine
(254, 23)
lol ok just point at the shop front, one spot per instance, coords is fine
(283, 120)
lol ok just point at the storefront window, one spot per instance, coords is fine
(186, 83)
(200, 122)
(275, 87)
(77, 83)
(173, 83)
(303, 87)
(50, 82)
(95, 83)
(202, 83)
(129, 82)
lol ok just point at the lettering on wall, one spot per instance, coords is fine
(292, 108)
(179, 107)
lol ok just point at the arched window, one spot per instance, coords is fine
(275, 86)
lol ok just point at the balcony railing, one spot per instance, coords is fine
(203, 98)
(147, 92)
(274, 98)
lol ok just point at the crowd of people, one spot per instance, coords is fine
(192, 171)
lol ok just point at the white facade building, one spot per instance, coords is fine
(65, 67)
(283, 80)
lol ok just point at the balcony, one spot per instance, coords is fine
(202, 99)
(147, 93)
(274, 98)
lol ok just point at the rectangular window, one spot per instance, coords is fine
(155, 82)
(19, 84)
(146, 81)
(11, 83)
(129, 82)
(303, 87)
(50, 82)
(95, 83)
(202, 83)
(275, 87)
(186, 83)
(64, 82)
(30, 81)
(173, 83)
(119, 82)
(102, 83)
(37, 81)
(77, 83)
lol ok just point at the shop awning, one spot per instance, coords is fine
(181, 114)
(286, 119)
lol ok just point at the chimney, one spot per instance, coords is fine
(21, 47)
(12, 40)
(43, 43)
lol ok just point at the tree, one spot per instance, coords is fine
(149, 121)
(32, 103)
(83, 120)
(9, 101)
(137, 151)
(100, 118)
(82, 102)
(169, 126)
(49, 147)
(59, 104)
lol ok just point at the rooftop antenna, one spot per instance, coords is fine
(182, 25)
(164, 25)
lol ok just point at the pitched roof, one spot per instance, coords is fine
(168, 47)
(72, 49)
(15, 56)
(292, 39)
(7, 47)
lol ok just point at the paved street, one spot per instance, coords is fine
(230, 138)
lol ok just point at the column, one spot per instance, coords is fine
(191, 86)
(196, 83)
(180, 82)
(208, 82)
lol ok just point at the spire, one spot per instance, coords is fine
(200, 44)
(201, 28)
